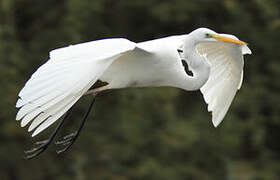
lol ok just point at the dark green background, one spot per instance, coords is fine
(148, 133)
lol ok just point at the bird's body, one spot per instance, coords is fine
(151, 64)
(216, 62)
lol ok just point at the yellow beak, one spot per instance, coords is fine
(228, 39)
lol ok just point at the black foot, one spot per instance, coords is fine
(42, 146)
(67, 141)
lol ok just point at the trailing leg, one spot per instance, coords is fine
(69, 139)
(43, 145)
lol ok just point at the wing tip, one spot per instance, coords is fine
(31, 127)
(216, 123)
(246, 50)
(217, 118)
(18, 117)
(36, 132)
(19, 103)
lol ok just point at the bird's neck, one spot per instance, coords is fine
(197, 64)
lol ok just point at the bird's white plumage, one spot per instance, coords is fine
(70, 72)
(226, 75)
(62, 80)
(152, 63)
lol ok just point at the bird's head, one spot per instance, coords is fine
(207, 35)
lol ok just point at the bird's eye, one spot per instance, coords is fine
(207, 35)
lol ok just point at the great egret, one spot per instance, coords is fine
(216, 61)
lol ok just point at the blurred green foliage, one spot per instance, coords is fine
(148, 133)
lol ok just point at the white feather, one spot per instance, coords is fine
(50, 111)
(59, 111)
(62, 80)
(71, 71)
(37, 103)
(226, 75)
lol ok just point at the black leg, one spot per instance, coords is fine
(43, 145)
(69, 139)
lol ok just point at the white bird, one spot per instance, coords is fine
(216, 62)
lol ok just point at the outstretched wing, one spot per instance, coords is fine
(64, 78)
(226, 75)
